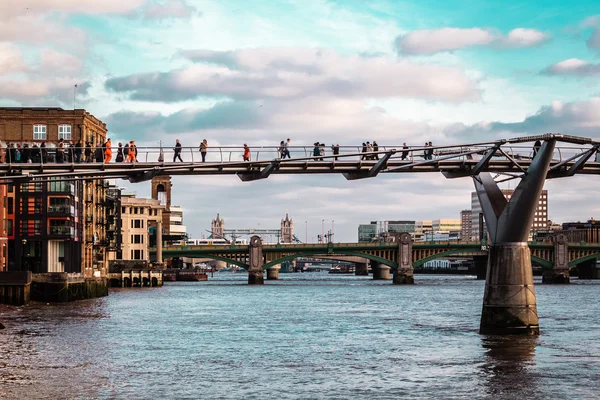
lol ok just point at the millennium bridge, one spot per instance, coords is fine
(509, 302)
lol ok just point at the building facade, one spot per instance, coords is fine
(138, 216)
(540, 219)
(466, 225)
(375, 229)
(70, 216)
(3, 228)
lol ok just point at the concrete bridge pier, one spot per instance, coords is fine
(404, 273)
(480, 266)
(381, 272)
(509, 302)
(361, 269)
(273, 273)
(588, 270)
(255, 269)
(560, 271)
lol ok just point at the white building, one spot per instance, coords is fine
(176, 226)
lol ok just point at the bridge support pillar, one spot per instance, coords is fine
(480, 266)
(560, 271)
(381, 272)
(255, 269)
(404, 273)
(273, 273)
(588, 270)
(509, 302)
(159, 243)
(361, 269)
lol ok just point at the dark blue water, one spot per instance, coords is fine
(308, 336)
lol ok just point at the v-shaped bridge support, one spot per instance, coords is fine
(509, 303)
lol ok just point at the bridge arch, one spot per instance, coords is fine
(316, 254)
(578, 261)
(544, 263)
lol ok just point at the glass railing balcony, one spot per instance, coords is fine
(61, 231)
(61, 187)
(61, 209)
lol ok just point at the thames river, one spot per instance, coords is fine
(307, 336)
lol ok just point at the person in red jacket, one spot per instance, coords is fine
(246, 152)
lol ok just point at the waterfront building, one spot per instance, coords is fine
(588, 231)
(446, 225)
(540, 220)
(138, 216)
(368, 232)
(55, 226)
(420, 228)
(3, 228)
(466, 225)
(114, 232)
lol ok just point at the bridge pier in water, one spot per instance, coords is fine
(273, 273)
(361, 269)
(480, 266)
(560, 271)
(255, 269)
(588, 270)
(381, 272)
(509, 302)
(404, 273)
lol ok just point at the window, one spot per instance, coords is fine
(137, 223)
(137, 254)
(64, 132)
(39, 132)
(122, 210)
(9, 227)
(137, 239)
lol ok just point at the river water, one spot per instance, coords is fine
(307, 336)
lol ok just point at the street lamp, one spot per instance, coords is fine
(305, 231)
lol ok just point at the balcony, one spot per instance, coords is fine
(89, 219)
(61, 187)
(111, 228)
(62, 231)
(63, 209)
(100, 221)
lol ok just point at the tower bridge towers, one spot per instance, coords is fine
(287, 230)
(217, 227)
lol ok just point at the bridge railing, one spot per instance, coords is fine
(234, 154)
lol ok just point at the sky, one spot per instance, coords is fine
(344, 72)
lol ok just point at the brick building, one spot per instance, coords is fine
(3, 228)
(55, 226)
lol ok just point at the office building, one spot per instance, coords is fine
(466, 225)
(540, 220)
(138, 216)
(376, 229)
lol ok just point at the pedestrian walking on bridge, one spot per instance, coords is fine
(246, 155)
(203, 149)
(177, 151)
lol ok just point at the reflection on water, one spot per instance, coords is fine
(507, 366)
(306, 336)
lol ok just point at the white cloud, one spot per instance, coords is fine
(431, 41)
(286, 73)
(169, 9)
(36, 7)
(573, 66)
(523, 37)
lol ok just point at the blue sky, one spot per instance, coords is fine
(334, 71)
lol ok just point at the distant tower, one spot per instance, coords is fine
(217, 227)
(287, 230)
(161, 190)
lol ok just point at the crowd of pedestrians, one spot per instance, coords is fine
(69, 152)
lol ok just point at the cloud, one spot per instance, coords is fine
(10, 9)
(431, 41)
(169, 9)
(574, 67)
(286, 73)
(578, 118)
